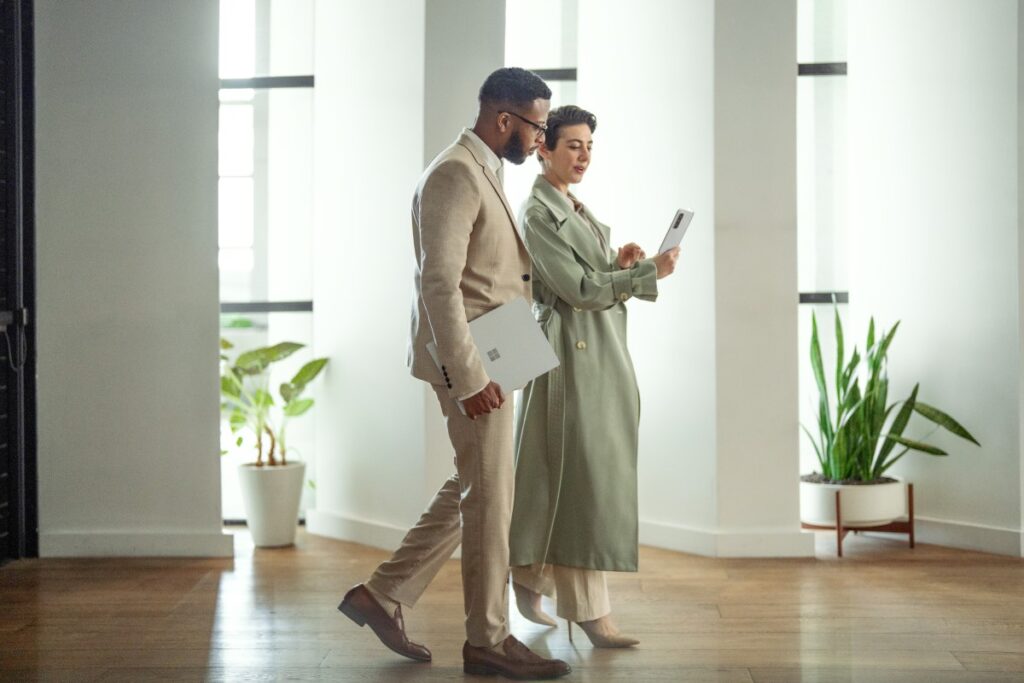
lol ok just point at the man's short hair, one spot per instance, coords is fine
(513, 86)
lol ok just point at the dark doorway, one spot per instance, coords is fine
(19, 532)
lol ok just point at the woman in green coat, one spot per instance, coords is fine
(575, 514)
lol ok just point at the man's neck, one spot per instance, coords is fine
(487, 139)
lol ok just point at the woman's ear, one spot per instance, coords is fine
(543, 152)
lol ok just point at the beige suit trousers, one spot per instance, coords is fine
(473, 507)
(580, 594)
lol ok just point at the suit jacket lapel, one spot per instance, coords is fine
(496, 184)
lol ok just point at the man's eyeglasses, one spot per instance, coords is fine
(541, 128)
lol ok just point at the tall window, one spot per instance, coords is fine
(821, 191)
(265, 189)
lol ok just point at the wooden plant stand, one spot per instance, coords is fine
(905, 526)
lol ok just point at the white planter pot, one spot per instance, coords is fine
(862, 504)
(271, 497)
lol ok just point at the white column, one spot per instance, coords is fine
(755, 279)
(716, 355)
(127, 311)
(935, 233)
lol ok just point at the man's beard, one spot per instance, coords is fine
(514, 151)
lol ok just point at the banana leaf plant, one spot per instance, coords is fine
(860, 434)
(249, 405)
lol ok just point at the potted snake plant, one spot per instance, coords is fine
(860, 434)
(271, 484)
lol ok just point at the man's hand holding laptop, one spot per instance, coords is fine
(482, 402)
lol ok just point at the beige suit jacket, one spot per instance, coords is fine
(470, 259)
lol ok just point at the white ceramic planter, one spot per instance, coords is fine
(271, 497)
(862, 505)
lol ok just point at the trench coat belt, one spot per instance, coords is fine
(551, 322)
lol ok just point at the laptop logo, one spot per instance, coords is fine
(493, 354)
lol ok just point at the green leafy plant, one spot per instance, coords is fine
(247, 402)
(861, 434)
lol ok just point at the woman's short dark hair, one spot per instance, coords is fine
(513, 86)
(566, 115)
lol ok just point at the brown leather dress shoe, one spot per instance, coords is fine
(362, 608)
(518, 662)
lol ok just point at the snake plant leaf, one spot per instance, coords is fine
(296, 408)
(899, 423)
(943, 420)
(817, 448)
(871, 333)
(818, 367)
(917, 445)
(840, 352)
(883, 347)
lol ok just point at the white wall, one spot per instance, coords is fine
(1020, 249)
(369, 141)
(934, 192)
(127, 308)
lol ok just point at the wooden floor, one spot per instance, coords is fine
(883, 613)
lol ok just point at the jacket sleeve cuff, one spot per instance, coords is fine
(640, 280)
(473, 393)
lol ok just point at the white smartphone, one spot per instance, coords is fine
(676, 230)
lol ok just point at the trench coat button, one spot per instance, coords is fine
(623, 296)
(577, 310)
(526, 277)
(581, 345)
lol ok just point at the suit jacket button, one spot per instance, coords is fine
(526, 277)
(581, 345)
(623, 296)
(577, 310)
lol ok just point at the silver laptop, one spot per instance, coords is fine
(512, 346)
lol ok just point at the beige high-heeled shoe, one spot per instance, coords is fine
(528, 603)
(602, 633)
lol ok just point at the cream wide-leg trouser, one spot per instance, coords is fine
(580, 594)
(473, 507)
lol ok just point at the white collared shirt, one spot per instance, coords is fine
(493, 161)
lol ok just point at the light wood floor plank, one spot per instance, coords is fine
(882, 613)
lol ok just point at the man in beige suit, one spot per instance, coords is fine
(470, 259)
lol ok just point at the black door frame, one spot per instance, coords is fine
(18, 173)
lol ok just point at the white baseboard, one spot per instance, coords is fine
(985, 538)
(353, 529)
(356, 530)
(144, 544)
(754, 543)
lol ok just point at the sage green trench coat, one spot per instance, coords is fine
(576, 427)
